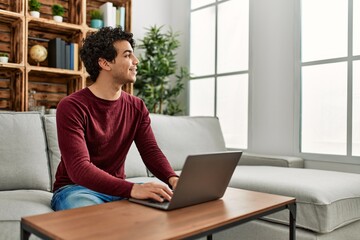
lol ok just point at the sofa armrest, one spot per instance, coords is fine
(271, 160)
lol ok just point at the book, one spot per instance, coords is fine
(76, 57)
(55, 54)
(67, 56)
(122, 17)
(71, 57)
(117, 17)
(62, 55)
(113, 15)
(109, 14)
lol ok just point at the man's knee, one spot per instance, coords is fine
(76, 200)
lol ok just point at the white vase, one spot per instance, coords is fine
(58, 18)
(4, 59)
(35, 14)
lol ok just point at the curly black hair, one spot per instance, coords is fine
(101, 45)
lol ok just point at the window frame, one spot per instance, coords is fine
(217, 75)
(349, 59)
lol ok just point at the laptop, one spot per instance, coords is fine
(203, 178)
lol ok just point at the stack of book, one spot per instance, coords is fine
(63, 55)
(113, 16)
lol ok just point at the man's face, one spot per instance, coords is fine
(124, 66)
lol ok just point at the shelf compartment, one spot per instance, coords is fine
(11, 38)
(51, 87)
(40, 32)
(12, 6)
(11, 89)
(72, 10)
(95, 4)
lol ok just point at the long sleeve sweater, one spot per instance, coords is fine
(94, 138)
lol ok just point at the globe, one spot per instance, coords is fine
(38, 53)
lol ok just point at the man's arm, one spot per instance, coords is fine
(155, 161)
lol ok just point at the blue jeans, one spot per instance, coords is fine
(75, 196)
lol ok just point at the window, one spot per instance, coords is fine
(330, 77)
(219, 64)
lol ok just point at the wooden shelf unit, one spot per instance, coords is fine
(20, 31)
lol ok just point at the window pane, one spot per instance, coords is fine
(232, 109)
(324, 29)
(200, 3)
(356, 27)
(202, 42)
(233, 36)
(202, 93)
(324, 113)
(356, 109)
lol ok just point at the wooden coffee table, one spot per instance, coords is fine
(126, 220)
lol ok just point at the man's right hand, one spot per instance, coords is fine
(153, 190)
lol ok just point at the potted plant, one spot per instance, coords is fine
(58, 12)
(96, 19)
(34, 7)
(158, 80)
(4, 57)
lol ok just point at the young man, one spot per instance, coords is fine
(97, 125)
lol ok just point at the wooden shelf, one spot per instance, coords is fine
(50, 70)
(6, 15)
(12, 66)
(21, 31)
(51, 25)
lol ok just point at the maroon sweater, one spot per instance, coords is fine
(94, 138)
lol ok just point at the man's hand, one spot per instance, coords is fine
(173, 182)
(153, 190)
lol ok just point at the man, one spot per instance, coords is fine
(97, 125)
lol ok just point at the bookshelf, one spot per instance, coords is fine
(20, 32)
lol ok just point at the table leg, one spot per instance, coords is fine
(209, 237)
(292, 219)
(25, 235)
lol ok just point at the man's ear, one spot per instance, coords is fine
(104, 64)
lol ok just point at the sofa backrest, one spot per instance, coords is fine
(179, 136)
(52, 144)
(23, 158)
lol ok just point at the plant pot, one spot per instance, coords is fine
(58, 18)
(96, 23)
(35, 14)
(4, 59)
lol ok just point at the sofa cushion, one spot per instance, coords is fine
(326, 200)
(134, 166)
(19, 203)
(52, 143)
(179, 136)
(262, 230)
(23, 156)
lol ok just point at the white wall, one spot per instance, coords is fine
(272, 77)
(147, 13)
(273, 110)
(170, 13)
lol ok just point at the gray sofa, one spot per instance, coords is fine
(328, 202)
